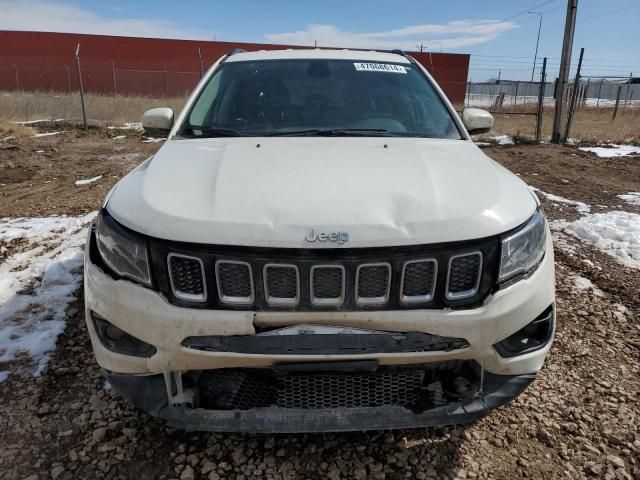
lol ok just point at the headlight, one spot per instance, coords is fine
(122, 250)
(523, 250)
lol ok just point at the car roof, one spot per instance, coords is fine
(318, 53)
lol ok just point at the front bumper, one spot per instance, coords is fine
(146, 315)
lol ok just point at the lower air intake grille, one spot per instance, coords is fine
(464, 275)
(414, 388)
(187, 280)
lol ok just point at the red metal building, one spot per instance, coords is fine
(42, 61)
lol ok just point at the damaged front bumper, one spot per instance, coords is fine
(169, 361)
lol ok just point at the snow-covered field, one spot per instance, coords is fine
(487, 100)
(38, 280)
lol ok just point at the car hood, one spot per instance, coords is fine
(272, 192)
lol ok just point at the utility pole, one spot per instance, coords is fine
(535, 55)
(565, 64)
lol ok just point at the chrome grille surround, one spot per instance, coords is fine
(366, 283)
(453, 276)
(193, 282)
(271, 296)
(222, 278)
(430, 291)
(316, 298)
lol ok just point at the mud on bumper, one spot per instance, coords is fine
(355, 397)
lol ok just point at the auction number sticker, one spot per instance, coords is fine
(379, 67)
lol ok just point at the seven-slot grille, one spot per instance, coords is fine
(430, 277)
(354, 283)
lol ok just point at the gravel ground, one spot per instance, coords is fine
(580, 419)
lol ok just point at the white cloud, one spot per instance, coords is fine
(454, 34)
(43, 16)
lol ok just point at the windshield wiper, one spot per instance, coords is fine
(331, 132)
(212, 131)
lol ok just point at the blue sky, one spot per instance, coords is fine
(498, 33)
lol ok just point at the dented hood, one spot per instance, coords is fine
(273, 192)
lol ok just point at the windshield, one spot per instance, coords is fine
(318, 97)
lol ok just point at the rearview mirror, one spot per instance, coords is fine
(157, 121)
(476, 120)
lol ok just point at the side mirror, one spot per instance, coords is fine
(157, 121)
(476, 120)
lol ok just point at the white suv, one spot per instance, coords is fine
(319, 246)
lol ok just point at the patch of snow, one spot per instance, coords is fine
(127, 126)
(44, 120)
(581, 207)
(153, 139)
(632, 197)
(4, 375)
(39, 151)
(582, 283)
(615, 233)
(88, 180)
(107, 385)
(613, 150)
(47, 134)
(38, 282)
(119, 137)
(504, 140)
(7, 138)
(482, 144)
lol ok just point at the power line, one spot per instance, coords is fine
(527, 10)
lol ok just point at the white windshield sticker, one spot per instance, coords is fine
(379, 67)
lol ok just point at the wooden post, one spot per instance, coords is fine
(84, 112)
(574, 96)
(113, 71)
(565, 61)
(615, 110)
(543, 82)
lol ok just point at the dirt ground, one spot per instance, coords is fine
(580, 419)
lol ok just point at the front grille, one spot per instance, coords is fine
(235, 282)
(187, 277)
(464, 275)
(457, 275)
(415, 388)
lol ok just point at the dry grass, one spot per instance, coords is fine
(53, 105)
(590, 125)
(14, 130)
